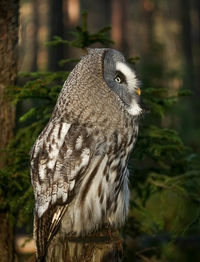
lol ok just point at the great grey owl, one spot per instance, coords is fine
(79, 161)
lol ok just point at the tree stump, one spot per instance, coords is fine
(99, 247)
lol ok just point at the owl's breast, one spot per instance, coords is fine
(103, 195)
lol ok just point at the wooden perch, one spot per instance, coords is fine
(99, 247)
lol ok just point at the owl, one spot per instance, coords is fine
(79, 161)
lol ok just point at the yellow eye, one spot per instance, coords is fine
(118, 79)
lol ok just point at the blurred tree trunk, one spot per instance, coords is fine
(119, 24)
(147, 13)
(106, 11)
(56, 28)
(35, 35)
(152, 57)
(187, 42)
(102, 7)
(93, 248)
(71, 13)
(8, 70)
(197, 48)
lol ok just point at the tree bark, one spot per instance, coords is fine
(98, 247)
(8, 70)
(8, 66)
(6, 240)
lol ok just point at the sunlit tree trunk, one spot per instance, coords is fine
(8, 70)
(71, 13)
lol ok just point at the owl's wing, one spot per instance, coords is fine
(59, 159)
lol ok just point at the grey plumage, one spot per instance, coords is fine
(79, 161)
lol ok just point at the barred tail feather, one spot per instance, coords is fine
(45, 228)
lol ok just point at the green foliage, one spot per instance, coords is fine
(82, 38)
(164, 172)
(165, 175)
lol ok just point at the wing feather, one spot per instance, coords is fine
(59, 158)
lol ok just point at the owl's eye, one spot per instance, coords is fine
(118, 79)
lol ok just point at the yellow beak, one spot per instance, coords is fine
(138, 91)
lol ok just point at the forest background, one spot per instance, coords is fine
(162, 41)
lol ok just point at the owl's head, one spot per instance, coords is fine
(121, 79)
(101, 84)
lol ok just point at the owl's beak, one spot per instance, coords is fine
(138, 91)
